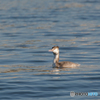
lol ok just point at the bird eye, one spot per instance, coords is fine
(53, 47)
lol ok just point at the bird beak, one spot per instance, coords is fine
(50, 50)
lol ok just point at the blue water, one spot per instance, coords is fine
(29, 28)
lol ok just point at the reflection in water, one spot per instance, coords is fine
(64, 40)
(40, 70)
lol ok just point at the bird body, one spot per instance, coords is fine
(58, 64)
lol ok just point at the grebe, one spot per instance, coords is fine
(58, 64)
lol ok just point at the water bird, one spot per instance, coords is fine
(62, 64)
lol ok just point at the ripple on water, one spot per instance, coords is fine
(29, 29)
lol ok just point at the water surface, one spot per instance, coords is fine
(28, 29)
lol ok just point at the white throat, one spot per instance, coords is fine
(56, 58)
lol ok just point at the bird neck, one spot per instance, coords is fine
(56, 58)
